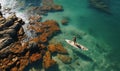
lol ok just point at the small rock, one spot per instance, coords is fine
(64, 22)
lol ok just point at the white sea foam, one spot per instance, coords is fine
(12, 6)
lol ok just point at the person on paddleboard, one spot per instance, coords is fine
(74, 40)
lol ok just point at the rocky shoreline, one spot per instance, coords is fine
(16, 53)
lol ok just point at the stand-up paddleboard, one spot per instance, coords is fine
(76, 45)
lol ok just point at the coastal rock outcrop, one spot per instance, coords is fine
(9, 29)
(16, 54)
(18, 49)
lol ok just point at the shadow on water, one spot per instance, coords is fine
(83, 56)
(38, 66)
(54, 68)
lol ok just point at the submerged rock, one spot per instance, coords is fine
(47, 60)
(98, 4)
(65, 58)
(64, 21)
(46, 6)
(49, 5)
(51, 8)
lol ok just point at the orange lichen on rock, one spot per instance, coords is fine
(14, 69)
(23, 63)
(47, 60)
(47, 29)
(52, 48)
(51, 25)
(36, 39)
(34, 57)
(43, 37)
(36, 29)
(48, 26)
(57, 48)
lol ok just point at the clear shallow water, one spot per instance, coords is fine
(103, 27)
(100, 32)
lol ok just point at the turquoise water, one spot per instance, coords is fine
(97, 30)
(102, 34)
